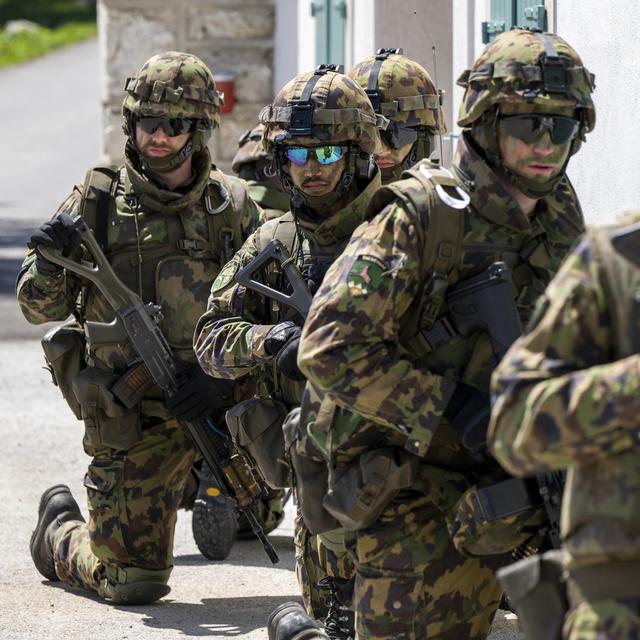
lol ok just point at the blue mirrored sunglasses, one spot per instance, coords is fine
(328, 154)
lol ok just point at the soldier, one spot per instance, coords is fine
(567, 396)
(167, 220)
(394, 387)
(401, 90)
(251, 163)
(321, 130)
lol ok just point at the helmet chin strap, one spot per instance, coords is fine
(485, 134)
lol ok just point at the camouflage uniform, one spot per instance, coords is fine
(378, 342)
(251, 163)
(230, 337)
(568, 397)
(168, 247)
(402, 90)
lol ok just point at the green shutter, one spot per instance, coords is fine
(506, 14)
(331, 20)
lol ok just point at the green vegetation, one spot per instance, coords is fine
(48, 13)
(30, 44)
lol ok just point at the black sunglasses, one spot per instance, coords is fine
(396, 136)
(171, 126)
(531, 127)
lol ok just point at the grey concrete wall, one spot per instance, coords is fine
(605, 171)
(416, 27)
(234, 36)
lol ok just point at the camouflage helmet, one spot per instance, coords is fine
(173, 85)
(537, 71)
(400, 89)
(527, 66)
(250, 149)
(321, 106)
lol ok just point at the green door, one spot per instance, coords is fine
(505, 14)
(331, 20)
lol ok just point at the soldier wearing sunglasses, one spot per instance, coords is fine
(167, 221)
(409, 383)
(401, 90)
(321, 131)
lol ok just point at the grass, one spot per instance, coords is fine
(28, 45)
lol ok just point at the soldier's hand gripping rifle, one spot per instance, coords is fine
(140, 323)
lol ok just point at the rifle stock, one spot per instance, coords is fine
(139, 322)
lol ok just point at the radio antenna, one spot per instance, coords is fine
(440, 94)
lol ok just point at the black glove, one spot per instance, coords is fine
(282, 342)
(198, 394)
(469, 411)
(59, 233)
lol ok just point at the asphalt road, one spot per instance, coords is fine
(50, 124)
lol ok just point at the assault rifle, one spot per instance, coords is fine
(139, 322)
(300, 296)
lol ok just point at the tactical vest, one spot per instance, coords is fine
(460, 244)
(169, 259)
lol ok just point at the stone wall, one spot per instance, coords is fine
(230, 36)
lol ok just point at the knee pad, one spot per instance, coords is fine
(134, 586)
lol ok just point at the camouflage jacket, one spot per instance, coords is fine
(167, 246)
(229, 338)
(567, 395)
(353, 346)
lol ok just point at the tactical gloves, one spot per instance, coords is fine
(198, 394)
(58, 233)
(469, 411)
(282, 343)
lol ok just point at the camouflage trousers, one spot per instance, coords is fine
(411, 582)
(610, 619)
(313, 562)
(133, 499)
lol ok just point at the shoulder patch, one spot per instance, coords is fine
(226, 275)
(365, 275)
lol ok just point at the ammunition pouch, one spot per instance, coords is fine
(361, 490)
(108, 423)
(310, 475)
(63, 348)
(537, 589)
(134, 586)
(497, 518)
(256, 428)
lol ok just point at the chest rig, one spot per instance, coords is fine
(169, 256)
(460, 244)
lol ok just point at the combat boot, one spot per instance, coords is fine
(290, 621)
(340, 621)
(57, 506)
(214, 523)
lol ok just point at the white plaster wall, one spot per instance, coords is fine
(605, 171)
(360, 32)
